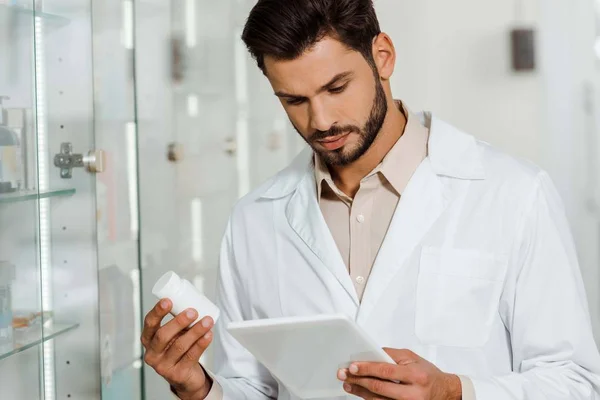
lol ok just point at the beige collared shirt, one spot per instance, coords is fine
(359, 225)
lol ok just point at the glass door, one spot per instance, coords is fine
(115, 127)
(21, 355)
(47, 202)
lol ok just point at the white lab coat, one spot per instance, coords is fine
(477, 274)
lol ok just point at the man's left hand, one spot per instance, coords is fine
(417, 379)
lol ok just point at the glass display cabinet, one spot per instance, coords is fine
(70, 307)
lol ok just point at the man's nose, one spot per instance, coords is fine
(320, 118)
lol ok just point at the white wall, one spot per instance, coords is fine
(454, 59)
(570, 132)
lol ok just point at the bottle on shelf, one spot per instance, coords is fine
(10, 155)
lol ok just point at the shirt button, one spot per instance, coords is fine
(360, 280)
(360, 218)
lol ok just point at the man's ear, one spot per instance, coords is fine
(384, 55)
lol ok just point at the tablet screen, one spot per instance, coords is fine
(305, 353)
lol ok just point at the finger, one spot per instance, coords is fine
(194, 354)
(185, 343)
(385, 371)
(377, 387)
(402, 356)
(363, 393)
(153, 320)
(165, 335)
(343, 374)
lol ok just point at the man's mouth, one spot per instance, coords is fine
(334, 142)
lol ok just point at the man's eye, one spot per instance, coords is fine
(338, 90)
(294, 102)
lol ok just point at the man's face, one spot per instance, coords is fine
(333, 99)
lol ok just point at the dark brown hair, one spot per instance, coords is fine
(285, 29)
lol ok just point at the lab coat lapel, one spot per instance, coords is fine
(423, 201)
(305, 218)
(454, 157)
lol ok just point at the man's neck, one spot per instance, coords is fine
(348, 177)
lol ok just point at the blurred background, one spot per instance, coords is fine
(129, 128)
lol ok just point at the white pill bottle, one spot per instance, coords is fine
(184, 295)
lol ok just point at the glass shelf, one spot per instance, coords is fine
(34, 195)
(49, 333)
(17, 11)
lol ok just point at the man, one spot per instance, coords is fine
(455, 256)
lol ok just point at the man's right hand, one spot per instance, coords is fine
(174, 351)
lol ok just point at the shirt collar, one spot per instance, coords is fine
(452, 153)
(397, 166)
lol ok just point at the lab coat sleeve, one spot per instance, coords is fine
(239, 374)
(468, 392)
(216, 392)
(545, 310)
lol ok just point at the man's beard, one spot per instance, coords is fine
(367, 135)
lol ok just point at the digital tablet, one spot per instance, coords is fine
(305, 353)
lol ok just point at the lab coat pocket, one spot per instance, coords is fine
(458, 293)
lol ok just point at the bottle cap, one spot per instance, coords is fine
(8, 137)
(168, 284)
